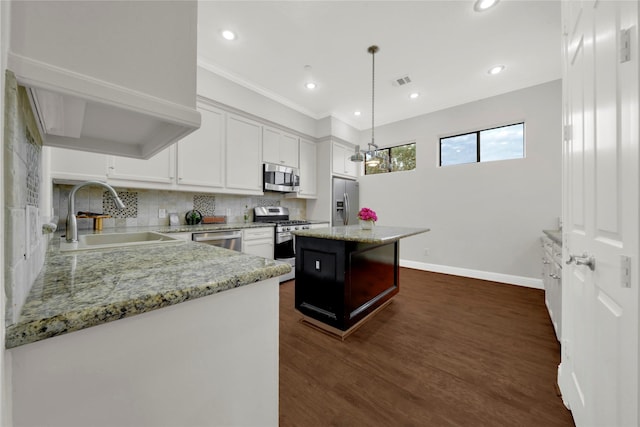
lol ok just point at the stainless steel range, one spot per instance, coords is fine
(284, 241)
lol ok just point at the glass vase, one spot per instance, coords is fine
(366, 225)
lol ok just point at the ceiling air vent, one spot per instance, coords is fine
(401, 81)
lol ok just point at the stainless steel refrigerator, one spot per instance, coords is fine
(345, 204)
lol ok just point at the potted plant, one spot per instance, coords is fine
(367, 218)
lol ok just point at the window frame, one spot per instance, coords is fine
(478, 142)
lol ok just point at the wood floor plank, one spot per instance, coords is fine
(448, 351)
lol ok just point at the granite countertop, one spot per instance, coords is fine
(76, 290)
(555, 235)
(353, 233)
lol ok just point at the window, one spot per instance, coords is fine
(501, 143)
(391, 159)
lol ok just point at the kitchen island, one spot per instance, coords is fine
(344, 275)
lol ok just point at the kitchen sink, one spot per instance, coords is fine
(117, 240)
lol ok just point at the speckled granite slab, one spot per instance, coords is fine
(82, 289)
(353, 233)
(555, 235)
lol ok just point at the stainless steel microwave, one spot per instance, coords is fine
(281, 178)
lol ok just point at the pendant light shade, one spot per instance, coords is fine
(357, 156)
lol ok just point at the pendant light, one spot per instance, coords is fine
(359, 155)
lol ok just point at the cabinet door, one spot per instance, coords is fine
(349, 166)
(201, 154)
(308, 153)
(289, 150)
(77, 165)
(279, 148)
(158, 169)
(337, 160)
(244, 155)
(270, 146)
(263, 248)
(342, 165)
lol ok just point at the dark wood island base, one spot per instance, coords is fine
(345, 275)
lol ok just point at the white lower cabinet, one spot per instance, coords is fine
(258, 241)
(552, 280)
(319, 225)
(183, 236)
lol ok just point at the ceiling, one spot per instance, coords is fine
(445, 47)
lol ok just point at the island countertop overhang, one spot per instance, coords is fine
(353, 233)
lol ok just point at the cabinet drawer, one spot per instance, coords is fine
(258, 233)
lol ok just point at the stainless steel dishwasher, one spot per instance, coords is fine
(228, 239)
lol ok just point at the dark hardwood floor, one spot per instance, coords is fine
(448, 351)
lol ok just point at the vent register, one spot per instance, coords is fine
(401, 81)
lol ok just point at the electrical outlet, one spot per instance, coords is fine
(426, 251)
(162, 213)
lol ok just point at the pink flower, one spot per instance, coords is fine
(367, 214)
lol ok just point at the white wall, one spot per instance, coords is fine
(222, 90)
(56, 32)
(485, 218)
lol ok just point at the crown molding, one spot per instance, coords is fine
(258, 89)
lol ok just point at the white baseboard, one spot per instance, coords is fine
(528, 282)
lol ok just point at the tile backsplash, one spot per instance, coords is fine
(142, 206)
(24, 242)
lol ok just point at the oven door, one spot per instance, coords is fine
(285, 246)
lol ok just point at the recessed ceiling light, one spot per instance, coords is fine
(228, 35)
(310, 85)
(482, 5)
(414, 95)
(357, 113)
(496, 70)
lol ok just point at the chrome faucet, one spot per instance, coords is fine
(72, 222)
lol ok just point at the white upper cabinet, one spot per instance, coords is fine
(201, 154)
(308, 159)
(243, 156)
(123, 84)
(279, 147)
(160, 169)
(342, 165)
(71, 165)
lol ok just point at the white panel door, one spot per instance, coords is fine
(270, 146)
(244, 155)
(158, 169)
(598, 375)
(308, 180)
(201, 153)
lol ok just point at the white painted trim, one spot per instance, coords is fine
(528, 282)
(33, 73)
(255, 88)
